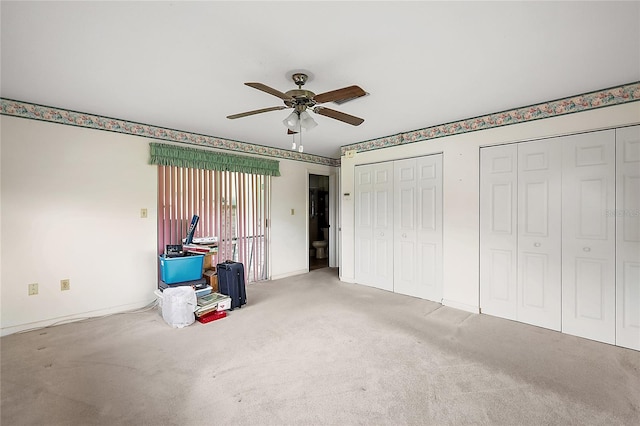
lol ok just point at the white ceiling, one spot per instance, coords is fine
(182, 65)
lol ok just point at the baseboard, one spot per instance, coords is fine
(349, 280)
(289, 274)
(461, 306)
(5, 331)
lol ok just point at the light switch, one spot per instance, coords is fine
(292, 212)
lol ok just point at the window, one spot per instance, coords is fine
(232, 206)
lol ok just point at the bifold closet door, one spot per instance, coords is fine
(520, 232)
(498, 230)
(539, 278)
(374, 225)
(627, 216)
(588, 236)
(418, 227)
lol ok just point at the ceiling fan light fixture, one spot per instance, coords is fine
(292, 122)
(306, 121)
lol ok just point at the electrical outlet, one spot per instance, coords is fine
(33, 289)
(143, 213)
(65, 285)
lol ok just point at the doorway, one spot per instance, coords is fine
(318, 221)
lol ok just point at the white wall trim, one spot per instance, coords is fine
(461, 306)
(289, 274)
(349, 280)
(121, 309)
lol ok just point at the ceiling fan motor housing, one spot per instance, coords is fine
(302, 99)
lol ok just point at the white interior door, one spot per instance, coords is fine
(405, 278)
(374, 225)
(364, 224)
(498, 230)
(627, 216)
(429, 227)
(418, 227)
(588, 236)
(333, 219)
(539, 285)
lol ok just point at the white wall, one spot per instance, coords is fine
(70, 208)
(71, 200)
(461, 190)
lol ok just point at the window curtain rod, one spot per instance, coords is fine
(172, 155)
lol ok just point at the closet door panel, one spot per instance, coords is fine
(539, 285)
(418, 228)
(429, 227)
(364, 224)
(627, 215)
(374, 225)
(405, 236)
(498, 230)
(383, 226)
(588, 236)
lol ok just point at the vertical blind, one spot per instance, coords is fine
(232, 206)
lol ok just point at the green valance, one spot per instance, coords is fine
(172, 155)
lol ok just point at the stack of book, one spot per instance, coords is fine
(200, 245)
(200, 248)
(212, 306)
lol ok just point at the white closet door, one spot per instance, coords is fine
(429, 227)
(405, 275)
(539, 285)
(498, 230)
(588, 236)
(418, 227)
(627, 215)
(364, 224)
(374, 225)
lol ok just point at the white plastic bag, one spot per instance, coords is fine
(178, 305)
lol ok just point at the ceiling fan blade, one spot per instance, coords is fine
(257, 111)
(336, 95)
(291, 132)
(332, 113)
(270, 90)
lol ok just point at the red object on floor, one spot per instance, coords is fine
(212, 316)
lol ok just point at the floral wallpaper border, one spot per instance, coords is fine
(598, 99)
(592, 100)
(73, 118)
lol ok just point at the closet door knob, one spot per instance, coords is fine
(536, 244)
(404, 235)
(587, 249)
(382, 234)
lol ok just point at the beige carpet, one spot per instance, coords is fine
(310, 350)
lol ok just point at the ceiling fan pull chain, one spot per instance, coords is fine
(301, 148)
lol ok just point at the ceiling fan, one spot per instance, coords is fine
(302, 100)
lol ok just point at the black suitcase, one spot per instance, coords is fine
(231, 282)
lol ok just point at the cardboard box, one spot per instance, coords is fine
(208, 262)
(212, 279)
